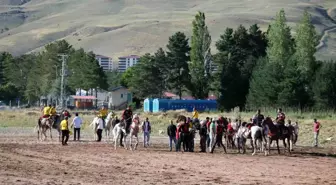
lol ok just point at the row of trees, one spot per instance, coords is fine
(253, 69)
(30, 76)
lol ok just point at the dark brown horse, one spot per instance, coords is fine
(274, 134)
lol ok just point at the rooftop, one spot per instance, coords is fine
(130, 56)
(102, 56)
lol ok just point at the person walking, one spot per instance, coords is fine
(65, 131)
(218, 136)
(203, 135)
(100, 129)
(171, 131)
(76, 123)
(317, 127)
(212, 133)
(146, 129)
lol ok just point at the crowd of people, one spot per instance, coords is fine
(211, 130)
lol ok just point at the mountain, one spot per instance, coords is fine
(122, 27)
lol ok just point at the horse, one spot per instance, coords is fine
(109, 125)
(295, 132)
(258, 134)
(94, 125)
(241, 137)
(118, 129)
(230, 134)
(273, 133)
(45, 124)
(134, 130)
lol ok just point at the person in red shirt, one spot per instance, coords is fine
(219, 136)
(317, 127)
(179, 136)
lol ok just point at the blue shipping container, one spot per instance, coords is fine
(167, 104)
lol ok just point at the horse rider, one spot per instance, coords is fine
(46, 112)
(195, 118)
(103, 114)
(53, 112)
(258, 118)
(126, 117)
(280, 119)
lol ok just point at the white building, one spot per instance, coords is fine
(105, 62)
(126, 62)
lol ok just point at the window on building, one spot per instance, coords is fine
(121, 95)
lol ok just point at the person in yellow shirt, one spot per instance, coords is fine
(65, 131)
(53, 113)
(195, 114)
(103, 114)
(46, 111)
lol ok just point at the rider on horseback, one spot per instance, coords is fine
(280, 120)
(127, 116)
(103, 114)
(258, 118)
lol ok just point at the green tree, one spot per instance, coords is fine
(178, 78)
(148, 79)
(4, 56)
(200, 57)
(324, 86)
(238, 53)
(280, 43)
(306, 40)
(264, 85)
(127, 76)
(114, 78)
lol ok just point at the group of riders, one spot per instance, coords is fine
(49, 112)
(186, 130)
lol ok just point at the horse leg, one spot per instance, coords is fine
(277, 143)
(289, 141)
(131, 140)
(254, 146)
(244, 145)
(50, 133)
(115, 141)
(269, 145)
(137, 142)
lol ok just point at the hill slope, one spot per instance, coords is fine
(122, 27)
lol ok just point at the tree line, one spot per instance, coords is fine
(251, 69)
(31, 76)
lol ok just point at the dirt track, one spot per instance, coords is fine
(25, 161)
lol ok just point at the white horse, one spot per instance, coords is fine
(257, 134)
(43, 126)
(118, 129)
(296, 132)
(134, 130)
(241, 137)
(108, 126)
(94, 125)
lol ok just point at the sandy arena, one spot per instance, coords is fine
(26, 161)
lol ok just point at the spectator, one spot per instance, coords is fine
(317, 127)
(203, 135)
(171, 131)
(76, 123)
(100, 129)
(146, 128)
(65, 131)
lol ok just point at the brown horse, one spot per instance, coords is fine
(274, 134)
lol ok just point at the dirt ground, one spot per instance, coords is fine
(23, 160)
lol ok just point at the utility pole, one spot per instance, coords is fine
(62, 79)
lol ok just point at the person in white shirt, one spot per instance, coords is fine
(100, 129)
(146, 129)
(76, 123)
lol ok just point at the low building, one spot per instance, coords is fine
(105, 62)
(119, 98)
(82, 102)
(127, 61)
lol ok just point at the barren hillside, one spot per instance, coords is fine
(119, 27)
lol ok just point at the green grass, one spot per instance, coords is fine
(160, 121)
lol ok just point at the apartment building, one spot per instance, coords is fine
(126, 62)
(105, 62)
